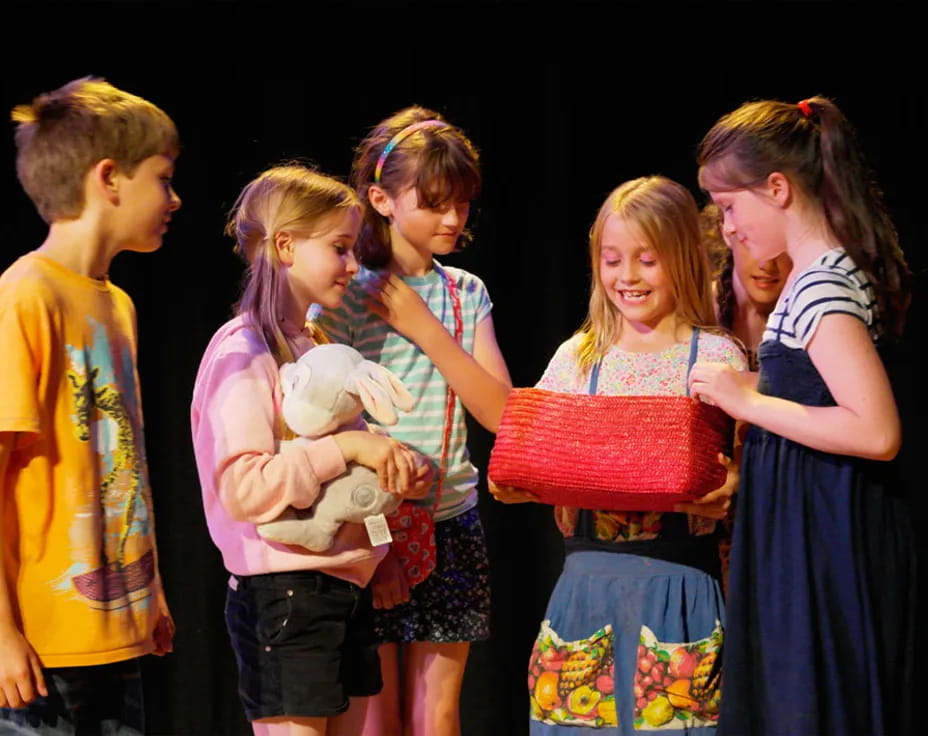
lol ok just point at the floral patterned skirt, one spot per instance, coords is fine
(453, 603)
(629, 644)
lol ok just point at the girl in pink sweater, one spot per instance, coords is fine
(299, 621)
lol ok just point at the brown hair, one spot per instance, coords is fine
(440, 162)
(288, 197)
(666, 215)
(819, 153)
(722, 262)
(63, 133)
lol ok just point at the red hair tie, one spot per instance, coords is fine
(805, 108)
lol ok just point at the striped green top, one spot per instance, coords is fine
(423, 427)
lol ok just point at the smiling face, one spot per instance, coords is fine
(427, 230)
(146, 201)
(632, 275)
(753, 219)
(761, 280)
(320, 265)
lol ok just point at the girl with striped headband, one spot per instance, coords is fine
(416, 175)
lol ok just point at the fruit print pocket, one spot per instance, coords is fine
(629, 645)
(572, 683)
(677, 684)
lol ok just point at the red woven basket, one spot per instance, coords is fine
(621, 453)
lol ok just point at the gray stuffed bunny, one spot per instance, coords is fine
(327, 388)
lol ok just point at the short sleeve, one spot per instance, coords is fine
(821, 292)
(715, 348)
(25, 339)
(475, 292)
(561, 375)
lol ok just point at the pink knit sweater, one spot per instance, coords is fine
(244, 479)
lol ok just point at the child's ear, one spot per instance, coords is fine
(779, 188)
(283, 242)
(379, 200)
(103, 179)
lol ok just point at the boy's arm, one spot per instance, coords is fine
(20, 670)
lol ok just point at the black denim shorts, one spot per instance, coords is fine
(303, 642)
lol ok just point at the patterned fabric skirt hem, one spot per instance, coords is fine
(453, 603)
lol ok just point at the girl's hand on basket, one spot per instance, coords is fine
(508, 494)
(715, 504)
(388, 585)
(723, 386)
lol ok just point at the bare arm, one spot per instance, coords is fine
(480, 380)
(400, 470)
(21, 676)
(865, 422)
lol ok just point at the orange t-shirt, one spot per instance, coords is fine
(78, 530)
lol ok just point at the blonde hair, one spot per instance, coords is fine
(667, 217)
(289, 197)
(60, 135)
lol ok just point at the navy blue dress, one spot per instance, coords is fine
(820, 613)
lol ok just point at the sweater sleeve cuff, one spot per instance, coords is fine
(326, 458)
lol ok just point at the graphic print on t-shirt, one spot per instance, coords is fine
(118, 567)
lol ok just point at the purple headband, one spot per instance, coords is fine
(399, 138)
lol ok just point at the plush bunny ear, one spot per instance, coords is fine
(291, 374)
(380, 391)
(287, 377)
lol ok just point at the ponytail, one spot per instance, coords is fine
(856, 214)
(291, 197)
(814, 144)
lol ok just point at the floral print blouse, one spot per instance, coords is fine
(624, 373)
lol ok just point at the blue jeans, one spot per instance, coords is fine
(101, 700)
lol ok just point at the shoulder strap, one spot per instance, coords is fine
(594, 376)
(450, 398)
(584, 526)
(694, 351)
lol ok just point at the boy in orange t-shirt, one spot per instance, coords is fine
(80, 593)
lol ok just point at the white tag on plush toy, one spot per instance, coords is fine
(377, 530)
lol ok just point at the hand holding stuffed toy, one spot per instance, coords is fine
(325, 389)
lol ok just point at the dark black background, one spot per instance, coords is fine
(564, 103)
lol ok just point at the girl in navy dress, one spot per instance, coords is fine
(819, 635)
(745, 290)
